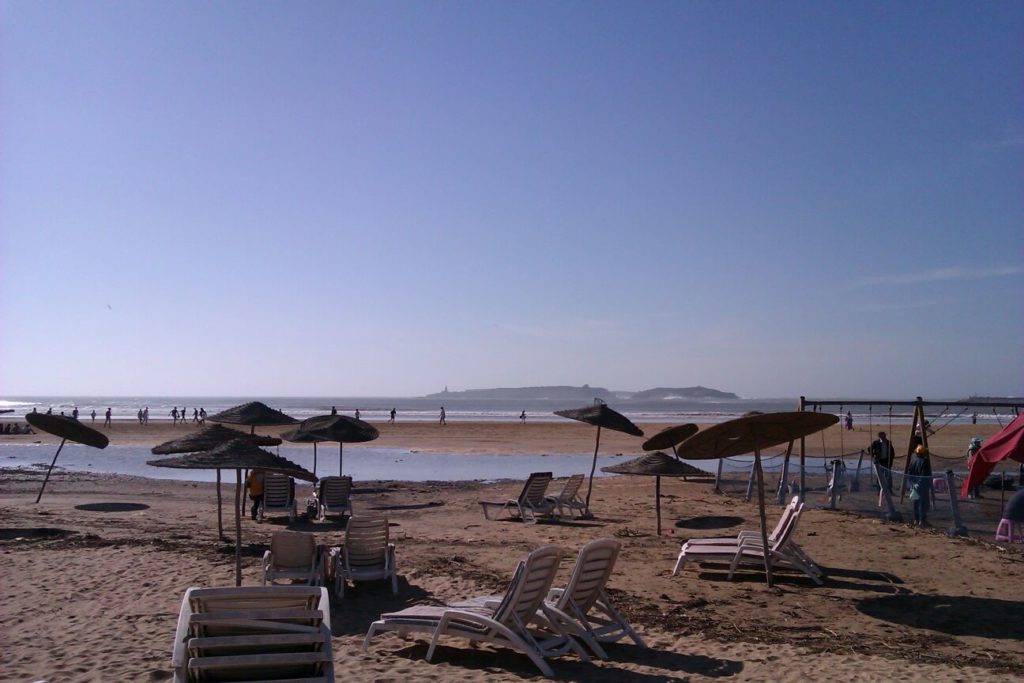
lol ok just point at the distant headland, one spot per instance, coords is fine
(587, 393)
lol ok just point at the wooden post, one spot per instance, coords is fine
(220, 522)
(764, 521)
(780, 497)
(238, 527)
(718, 476)
(657, 501)
(750, 479)
(341, 458)
(52, 463)
(892, 514)
(801, 405)
(593, 466)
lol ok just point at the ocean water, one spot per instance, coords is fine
(376, 409)
(362, 463)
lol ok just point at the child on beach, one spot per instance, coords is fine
(920, 476)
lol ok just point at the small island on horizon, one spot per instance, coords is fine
(586, 393)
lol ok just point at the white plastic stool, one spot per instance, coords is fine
(1009, 531)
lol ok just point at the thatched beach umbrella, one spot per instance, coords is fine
(655, 465)
(298, 436)
(207, 439)
(237, 454)
(254, 414)
(67, 428)
(599, 415)
(749, 435)
(669, 437)
(340, 428)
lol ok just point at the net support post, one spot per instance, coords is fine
(892, 514)
(958, 529)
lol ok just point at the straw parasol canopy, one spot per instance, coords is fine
(599, 415)
(207, 439)
(67, 428)
(255, 414)
(669, 437)
(340, 428)
(655, 465)
(298, 436)
(237, 454)
(750, 434)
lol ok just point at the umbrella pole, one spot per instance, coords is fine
(238, 527)
(314, 458)
(593, 466)
(764, 521)
(220, 521)
(657, 501)
(47, 478)
(341, 457)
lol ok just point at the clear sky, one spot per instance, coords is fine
(385, 198)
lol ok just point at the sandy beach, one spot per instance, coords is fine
(94, 574)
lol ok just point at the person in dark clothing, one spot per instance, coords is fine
(883, 454)
(920, 475)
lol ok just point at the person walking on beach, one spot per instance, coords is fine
(202, 416)
(522, 417)
(334, 410)
(849, 420)
(883, 454)
(140, 415)
(195, 414)
(920, 475)
(442, 420)
(145, 415)
(94, 415)
(392, 420)
(174, 414)
(357, 413)
(972, 456)
(74, 413)
(254, 485)
(106, 419)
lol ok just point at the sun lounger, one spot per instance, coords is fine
(333, 497)
(782, 552)
(784, 518)
(367, 554)
(505, 624)
(278, 497)
(293, 555)
(568, 497)
(254, 633)
(530, 504)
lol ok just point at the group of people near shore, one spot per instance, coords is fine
(198, 415)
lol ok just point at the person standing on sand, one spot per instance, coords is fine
(357, 413)
(442, 420)
(202, 416)
(106, 419)
(392, 420)
(849, 420)
(334, 410)
(74, 413)
(972, 456)
(522, 417)
(195, 414)
(94, 415)
(883, 454)
(145, 415)
(174, 414)
(140, 415)
(920, 475)
(254, 485)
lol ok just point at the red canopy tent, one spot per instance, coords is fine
(1006, 443)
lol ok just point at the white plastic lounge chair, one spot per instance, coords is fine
(755, 534)
(293, 555)
(531, 503)
(505, 624)
(782, 552)
(568, 497)
(254, 633)
(332, 496)
(367, 554)
(278, 497)
(583, 608)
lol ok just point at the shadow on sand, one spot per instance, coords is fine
(956, 615)
(112, 507)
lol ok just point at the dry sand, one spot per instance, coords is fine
(92, 577)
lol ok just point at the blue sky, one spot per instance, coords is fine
(382, 198)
